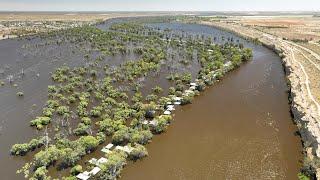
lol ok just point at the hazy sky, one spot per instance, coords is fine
(160, 5)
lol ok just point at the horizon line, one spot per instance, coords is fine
(257, 11)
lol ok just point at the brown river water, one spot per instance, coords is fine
(240, 128)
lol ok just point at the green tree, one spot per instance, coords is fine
(81, 130)
(88, 142)
(121, 136)
(138, 152)
(112, 168)
(47, 156)
(20, 149)
(302, 176)
(40, 174)
(39, 122)
(76, 169)
(140, 136)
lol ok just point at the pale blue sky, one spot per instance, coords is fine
(159, 5)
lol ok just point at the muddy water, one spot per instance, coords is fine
(16, 113)
(239, 128)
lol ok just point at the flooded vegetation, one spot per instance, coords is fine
(240, 128)
(87, 101)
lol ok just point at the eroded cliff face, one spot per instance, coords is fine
(304, 113)
(304, 108)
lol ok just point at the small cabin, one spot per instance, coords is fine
(170, 108)
(95, 170)
(167, 112)
(227, 64)
(128, 149)
(102, 160)
(177, 103)
(109, 146)
(169, 103)
(119, 148)
(83, 176)
(193, 84)
(105, 150)
(145, 122)
(153, 123)
(93, 161)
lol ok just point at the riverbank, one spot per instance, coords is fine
(304, 106)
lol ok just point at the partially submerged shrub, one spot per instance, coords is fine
(113, 167)
(96, 111)
(86, 120)
(39, 122)
(88, 142)
(151, 97)
(150, 110)
(187, 99)
(140, 136)
(138, 152)
(157, 89)
(101, 137)
(47, 157)
(186, 78)
(40, 173)
(76, 169)
(20, 94)
(23, 149)
(81, 130)
(302, 176)
(121, 136)
(172, 91)
(20, 149)
(109, 126)
(162, 123)
(201, 86)
(61, 110)
(48, 112)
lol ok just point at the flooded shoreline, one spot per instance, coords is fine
(240, 127)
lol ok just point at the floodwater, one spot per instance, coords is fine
(239, 128)
(15, 112)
